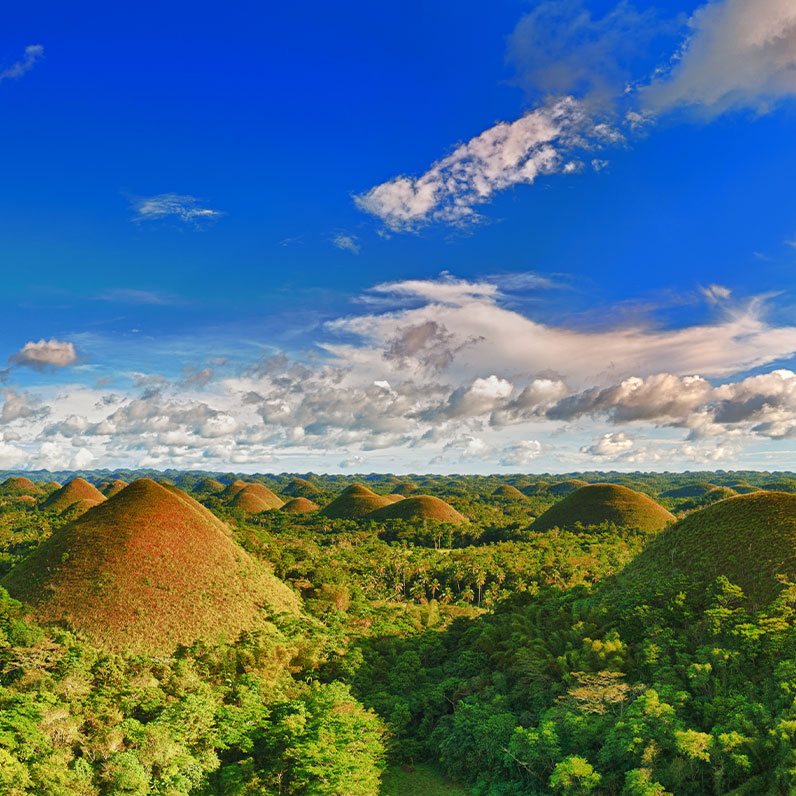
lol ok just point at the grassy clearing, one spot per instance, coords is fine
(422, 780)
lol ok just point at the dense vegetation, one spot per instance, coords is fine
(487, 656)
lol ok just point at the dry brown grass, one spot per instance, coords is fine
(77, 489)
(420, 507)
(299, 505)
(148, 570)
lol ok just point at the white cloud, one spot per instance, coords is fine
(505, 155)
(45, 354)
(610, 445)
(33, 53)
(351, 462)
(348, 243)
(740, 54)
(172, 205)
(521, 454)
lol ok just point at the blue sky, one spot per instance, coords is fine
(355, 236)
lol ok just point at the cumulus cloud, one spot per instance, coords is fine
(521, 454)
(181, 207)
(351, 462)
(479, 398)
(33, 53)
(740, 54)
(348, 243)
(505, 155)
(45, 354)
(20, 406)
(610, 445)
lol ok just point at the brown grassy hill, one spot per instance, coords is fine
(299, 505)
(111, 488)
(17, 487)
(750, 539)
(249, 502)
(271, 500)
(566, 487)
(394, 497)
(420, 507)
(405, 488)
(354, 502)
(69, 494)
(145, 571)
(300, 487)
(51, 486)
(508, 492)
(596, 504)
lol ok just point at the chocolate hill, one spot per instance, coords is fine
(300, 487)
(145, 571)
(78, 489)
(354, 502)
(208, 486)
(421, 507)
(250, 501)
(750, 539)
(111, 488)
(261, 491)
(18, 487)
(596, 504)
(508, 492)
(566, 487)
(299, 505)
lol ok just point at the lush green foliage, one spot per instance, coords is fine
(507, 660)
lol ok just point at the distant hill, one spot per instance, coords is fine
(405, 488)
(565, 487)
(146, 570)
(419, 507)
(300, 487)
(299, 505)
(20, 486)
(260, 491)
(689, 491)
(111, 488)
(596, 504)
(750, 539)
(78, 489)
(208, 486)
(508, 492)
(355, 502)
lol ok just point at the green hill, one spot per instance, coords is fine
(565, 487)
(689, 491)
(146, 570)
(596, 504)
(18, 487)
(420, 507)
(111, 488)
(750, 539)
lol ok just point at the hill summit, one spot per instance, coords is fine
(147, 570)
(596, 504)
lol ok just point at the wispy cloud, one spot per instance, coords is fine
(348, 243)
(181, 207)
(505, 155)
(124, 295)
(33, 53)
